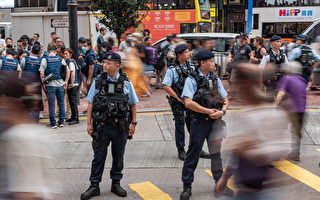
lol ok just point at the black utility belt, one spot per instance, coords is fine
(112, 120)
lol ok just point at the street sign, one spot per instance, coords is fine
(60, 23)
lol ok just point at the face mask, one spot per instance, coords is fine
(9, 46)
(84, 48)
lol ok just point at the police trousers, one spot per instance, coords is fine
(179, 120)
(118, 140)
(212, 131)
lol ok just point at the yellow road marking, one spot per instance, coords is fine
(148, 191)
(231, 182)
(318, 149)
(298, 173)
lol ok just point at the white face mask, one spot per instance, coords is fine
(84, 48)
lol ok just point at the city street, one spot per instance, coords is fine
(152, 169)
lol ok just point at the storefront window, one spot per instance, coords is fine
(284, 30)
(284, 3)
(188, 27)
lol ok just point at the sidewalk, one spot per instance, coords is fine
(158, 101)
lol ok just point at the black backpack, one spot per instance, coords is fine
(161, 59)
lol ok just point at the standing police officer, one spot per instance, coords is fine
(276, 56)
(173, 84)
(110, 97)
(9, 63)
(205, 96)
(305, 55)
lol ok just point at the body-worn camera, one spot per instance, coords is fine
(48, 79)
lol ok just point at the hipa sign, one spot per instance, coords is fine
(295, 14)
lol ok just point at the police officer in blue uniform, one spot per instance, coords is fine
(91, 62)
(276, 56)
(205, 96)
(173, 84)
(30, 66)
(9, 63)
(305, 55)
(111, 119)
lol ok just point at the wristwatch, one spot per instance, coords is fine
(224, 112)
(134, 123)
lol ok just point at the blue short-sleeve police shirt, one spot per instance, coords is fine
(172, 75)
(190, 87)
(128, 90)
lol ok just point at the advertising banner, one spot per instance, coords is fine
(6, 3)
(162, 23)
(297, 14)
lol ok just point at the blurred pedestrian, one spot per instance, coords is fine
(293, 87)
(127, 42)
(259, 138)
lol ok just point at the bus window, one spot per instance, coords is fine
(314, 32)
(267, 30)
(188, 27)
(204, 9)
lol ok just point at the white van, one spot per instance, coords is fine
(313, 31)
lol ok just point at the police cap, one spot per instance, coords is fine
(204, 54)
(243, 35)
(112, 56)
(275, 37)
(302, 37)
(180, 48)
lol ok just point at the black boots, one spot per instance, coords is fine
(181, 153)
(117, 189)
(204, 155)
(92, 191)
(186, 193)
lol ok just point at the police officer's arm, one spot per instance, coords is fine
(192, 105)
(172, 93)
(89, 119)
(132, 127)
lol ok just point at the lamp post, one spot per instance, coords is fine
(73, 27)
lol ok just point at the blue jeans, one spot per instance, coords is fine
(52, 92)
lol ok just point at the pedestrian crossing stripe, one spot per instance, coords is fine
(148, 191)
(231, 182)
(298, 173)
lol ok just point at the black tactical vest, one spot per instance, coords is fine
(183, 74)
(306, 61)
(207, 94)
(110, 104)
(277, 59)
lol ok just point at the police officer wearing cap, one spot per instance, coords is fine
(205, 96)
(276, 56)
(173, 83)
(111, 119)
(305, 55)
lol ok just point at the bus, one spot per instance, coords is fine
(176, 16)
(286, 22)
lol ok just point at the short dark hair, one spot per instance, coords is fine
(52, 48)
(57, 38)
(53, 33)
(36, 49)
(82, 39)
(8, 39)
(88, 42)
(11, 51)
(20, 40)
(106, 45)
(102, 29)
(146, 39)
(110, 41)
(37, 43)
(37, 34)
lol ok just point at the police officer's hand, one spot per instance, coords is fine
(180, 100)
(90, 129)
(88, 82)
(132, 129)
(216, 114)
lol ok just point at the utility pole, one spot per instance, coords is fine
(73, 27)
(227, 30)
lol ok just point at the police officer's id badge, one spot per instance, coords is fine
(210, 84)
(111, 88)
